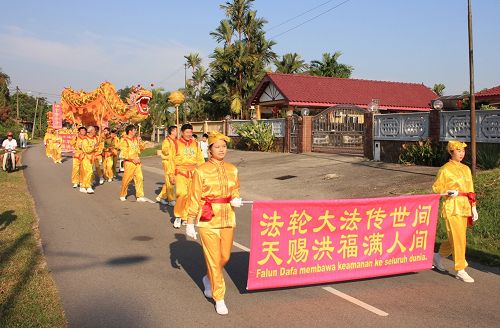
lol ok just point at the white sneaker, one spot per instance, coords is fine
(84, 190)
(208, 288)
(464, 276)
(171, 203)
(177, 223)
(161, 200)
(110, 180)
(75, 185)
(90, 191)
(436, 262)
(141, 200)
(123, 199)
(101, 181)
(221, 307)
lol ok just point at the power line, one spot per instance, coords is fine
(299, 15)
(313, 18)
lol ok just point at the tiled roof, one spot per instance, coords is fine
(495, 91)
(305, 90)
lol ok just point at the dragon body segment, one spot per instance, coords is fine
(104, 105)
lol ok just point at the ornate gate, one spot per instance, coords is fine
(294, 134)
(339, 129)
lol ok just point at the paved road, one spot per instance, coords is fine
(123, 265)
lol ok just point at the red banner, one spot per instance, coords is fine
(310, 242)
(56, 116)
(66, 145)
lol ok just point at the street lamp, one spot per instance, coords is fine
(437, 104)
(176, 98)
(373, 106)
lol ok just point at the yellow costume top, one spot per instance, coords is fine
(131, 148)
(186, 156)
(89, 147)
(47, 138)
(454, 176)
(76, 143)
(109, 146)
(214, 180)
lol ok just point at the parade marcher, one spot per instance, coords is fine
(98, 160)
(57, 148)
(47, 140)
(215, 190)
(131, 147)
(108, 152)
(10, 144)
(455, 179)
(186, 158)
(76, 143)
(167, 194)
(89, 149)
(204, 146)
(116, 146)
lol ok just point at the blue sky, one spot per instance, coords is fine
(48, 45)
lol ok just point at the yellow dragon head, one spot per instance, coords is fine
(138, 104)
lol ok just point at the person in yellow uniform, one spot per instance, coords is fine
(167, 194)
(455, 179)
(116, 151)
(76, 143)
(89, 150)
(47, 140)
(107, 155)
(214, 191)
(186, 157)
(131, 147)
(98, 160)
(57, 148)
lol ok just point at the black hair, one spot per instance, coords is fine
(186, 126)
(171, 128)
(113, 131)
(96, 128)
(205, 135)
(106, 128)
(129, 128)
(195, 136)
(82, 128)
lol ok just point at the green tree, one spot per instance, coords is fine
(290, 64)
(329, 66)
(158, 115)
(240, 60)
(438, 88)
(4, 96)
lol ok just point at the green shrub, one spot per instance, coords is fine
(257, 136)
(419, 153)
(488, 156)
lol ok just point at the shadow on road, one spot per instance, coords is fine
(237, 269)
(188, 255)
(6, 218)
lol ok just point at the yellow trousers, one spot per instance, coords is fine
(167, 191)
(108, 167)
(217, 245)
(86, 173)
(132, 171)
(115, 165)
(75, 171)
(57, 154)
(48, 151)
(98, 166)
(182, 184)
(456, 228)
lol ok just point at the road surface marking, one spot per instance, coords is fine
(336, 292)
(356, 301)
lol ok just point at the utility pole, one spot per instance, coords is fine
(472, 97)
(17, 94)
(34, 121)
(185, 90)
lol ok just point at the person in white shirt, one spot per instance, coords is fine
(204, 146)
(9, 144)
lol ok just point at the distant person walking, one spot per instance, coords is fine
(131, 147)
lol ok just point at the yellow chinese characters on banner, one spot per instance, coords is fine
(308, 242)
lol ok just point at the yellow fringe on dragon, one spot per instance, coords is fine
(104, 105)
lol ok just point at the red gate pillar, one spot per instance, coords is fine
(305, 134)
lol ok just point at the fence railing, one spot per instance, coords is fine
(278, 126)
(207, 126)
(402, 126)
(456, 125)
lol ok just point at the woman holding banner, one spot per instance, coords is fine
(459, 208)
(215, 190)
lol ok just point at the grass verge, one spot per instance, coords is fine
(150, 151)
(28, 295)
(483, 239)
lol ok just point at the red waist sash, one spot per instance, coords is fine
(471, 196)
(207, 213)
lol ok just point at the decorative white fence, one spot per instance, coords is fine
(456, 125)
(403, 126)
(278, 125)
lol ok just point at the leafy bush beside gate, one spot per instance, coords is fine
(257, 136)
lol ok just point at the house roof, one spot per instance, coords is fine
(495, 91)
(306, 90)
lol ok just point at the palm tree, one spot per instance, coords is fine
(329, 66)
(193, 60)
(4, 89)
(290, 64)
(237, 12)
(439, 89)
(223, 33)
